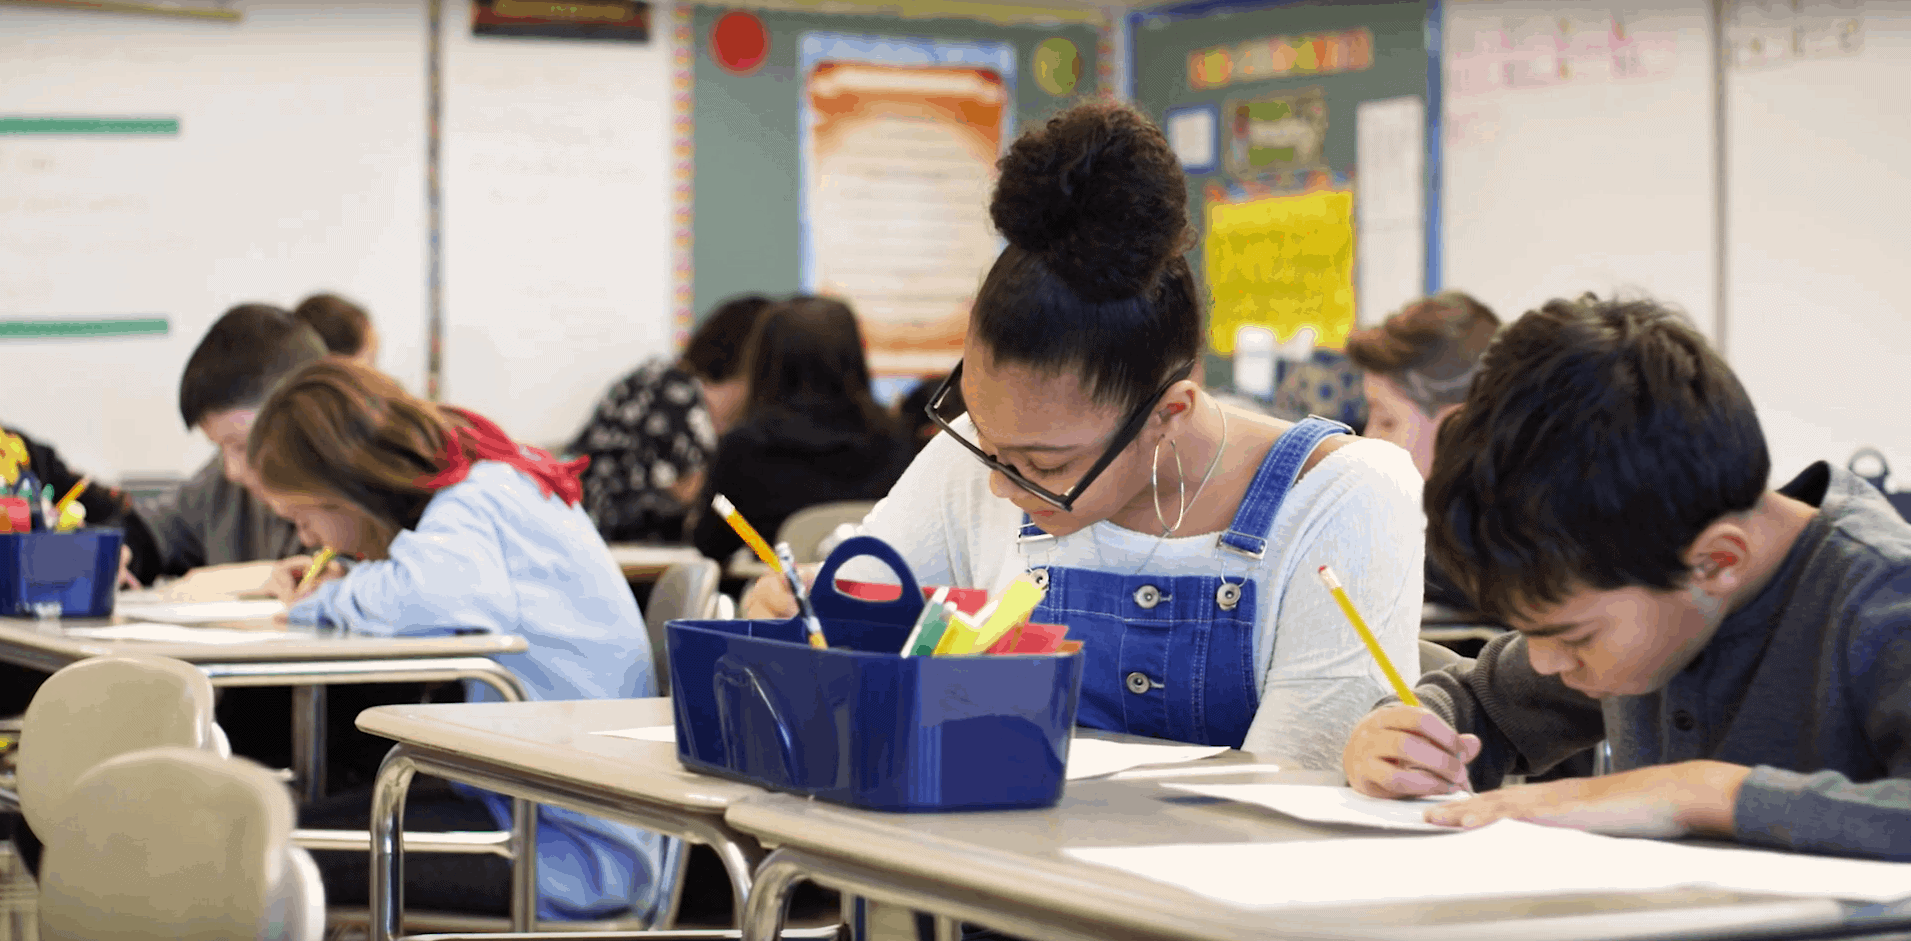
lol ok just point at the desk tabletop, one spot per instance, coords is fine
(555, 739)
(641, 561)
(1018, 857)
(46, 645)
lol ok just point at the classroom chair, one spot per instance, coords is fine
(685, 591)
(101, 708)
(807, 528)
(177, 842)
(1434, 657)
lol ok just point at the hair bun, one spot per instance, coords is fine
(1098, 196)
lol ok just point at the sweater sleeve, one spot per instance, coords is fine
(1527, 722)
(1828, 812)
(176, 526)
(447, 576)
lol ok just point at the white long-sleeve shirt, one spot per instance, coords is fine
(1357, 510)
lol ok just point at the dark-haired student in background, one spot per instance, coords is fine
(1746, 651)
(344, 326)
(912, 414)
(1417, 367)
(811, 431)
(651, 440)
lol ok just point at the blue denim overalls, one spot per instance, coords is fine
(1172, 656)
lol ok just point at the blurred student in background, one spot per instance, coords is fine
(912, 413)
(459, 528)
(1418, 366)
(810, 432)
(651, 439)
(343, 325)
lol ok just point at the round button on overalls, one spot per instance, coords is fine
(1147, 596)
(1227, 596)
(1139, 683)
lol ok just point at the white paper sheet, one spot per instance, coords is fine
(205, 612)
(1383, 869)
(179, 634)
(1323, 804)
(1089, 757)
(655, 733)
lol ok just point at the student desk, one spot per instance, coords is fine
(646, 563)
(309, 663)
(545, 752)
(1006, 870)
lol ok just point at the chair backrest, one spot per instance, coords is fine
(1434, 657)
(178, 842)
(684, 591)
(806, 529)
(102, 707)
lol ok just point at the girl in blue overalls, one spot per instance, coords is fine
(1178, 538)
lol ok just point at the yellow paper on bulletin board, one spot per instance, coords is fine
(1284, 263)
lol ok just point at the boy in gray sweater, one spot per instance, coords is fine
(1746, 652)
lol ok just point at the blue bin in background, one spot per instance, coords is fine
(859, 724)
(59, 574)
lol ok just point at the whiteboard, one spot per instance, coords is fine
(298, 167)
(1597, 183)
(556, 214)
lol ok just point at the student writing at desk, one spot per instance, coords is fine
(1178, 539)
(1746, 651)
(461, 529)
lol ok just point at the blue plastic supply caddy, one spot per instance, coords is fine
(859, 724)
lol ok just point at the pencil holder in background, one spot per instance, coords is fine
(52, 575)
(859, 724)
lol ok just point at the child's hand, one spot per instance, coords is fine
(126, 579)
(1401, 751)
(1693, 797)
(286, 576)
(769, 597)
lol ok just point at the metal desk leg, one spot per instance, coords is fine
(308, 742)
(387, 895)
(769, 901)
(523, 865)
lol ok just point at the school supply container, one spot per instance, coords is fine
(47, 574)
(857, 723)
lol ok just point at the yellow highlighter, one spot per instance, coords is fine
(1400, 687)
(59, 509)
(318, 564)
(1018, 601)
(757, 544)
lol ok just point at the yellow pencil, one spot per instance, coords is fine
(59, 508)
(1400, 687)
(728, 511)
(318, 564)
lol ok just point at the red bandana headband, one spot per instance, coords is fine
(488, 442)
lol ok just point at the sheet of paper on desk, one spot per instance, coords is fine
(1322, 804)
(666, 734)
(1454, 866)
(178, 634)
(1090, 757)
(203, 612)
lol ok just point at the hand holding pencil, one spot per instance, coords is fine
(1404, 750)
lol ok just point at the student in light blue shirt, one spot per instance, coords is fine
(458, 528)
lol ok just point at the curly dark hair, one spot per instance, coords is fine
(1598, 440)
(1094, 207)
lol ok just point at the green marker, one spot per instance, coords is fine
(929, 626)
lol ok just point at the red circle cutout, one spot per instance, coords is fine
(739, 42)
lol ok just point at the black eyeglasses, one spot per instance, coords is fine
(1064, 501)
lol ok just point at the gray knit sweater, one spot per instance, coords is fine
(1809, 684)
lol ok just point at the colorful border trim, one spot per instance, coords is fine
(84, 328)
(683, 151)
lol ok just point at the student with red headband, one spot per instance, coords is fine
(458, 528)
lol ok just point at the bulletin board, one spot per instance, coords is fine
(1277, 111)
(747, 183)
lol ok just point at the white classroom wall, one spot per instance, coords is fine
(298, 167)
(557, 221)
(1608, 186)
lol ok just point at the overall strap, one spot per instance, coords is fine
(1247, 534)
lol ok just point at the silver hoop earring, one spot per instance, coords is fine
(1154, 487)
